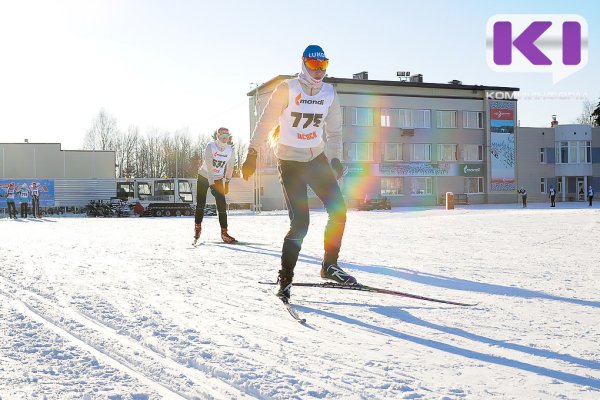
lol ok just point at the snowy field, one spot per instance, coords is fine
(127, 309)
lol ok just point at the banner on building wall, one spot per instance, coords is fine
(46, 190)
(476, 170)
(418, 169)
(502, 148)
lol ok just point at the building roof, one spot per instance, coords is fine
(391, 83)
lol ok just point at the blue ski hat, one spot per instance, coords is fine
(314, 51)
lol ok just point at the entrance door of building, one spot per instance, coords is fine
(580, 189)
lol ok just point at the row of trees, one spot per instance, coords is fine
(156, 154)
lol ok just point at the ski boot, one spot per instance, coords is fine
(285, 289)
(334, 273)
(197, 230)
(226, 237)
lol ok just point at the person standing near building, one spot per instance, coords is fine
(590, 195)
(24, 195)
(215, 173)
(552, 195)
(35, 200)
(298, 113)
(10, 200)
(523, 193)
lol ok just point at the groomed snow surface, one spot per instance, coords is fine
(128, 309)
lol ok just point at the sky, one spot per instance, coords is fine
(188, 65)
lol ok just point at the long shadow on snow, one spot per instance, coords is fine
(402, 315)
(448, 348)
(435, 280)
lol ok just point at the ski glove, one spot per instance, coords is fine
(249, 165)
(217, 188)
(337, 167)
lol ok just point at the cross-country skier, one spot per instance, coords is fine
(297, 113)
(215, 173)
(24, 195)
(35, 200)
(10, 200)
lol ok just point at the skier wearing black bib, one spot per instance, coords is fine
(299, 111)
(215, 173)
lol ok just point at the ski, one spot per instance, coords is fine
(364, 288)
(290, 309)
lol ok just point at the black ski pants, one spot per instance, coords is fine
(296, 177)
(219, 193)
(12, 209)
(35, 206)
(24, 209)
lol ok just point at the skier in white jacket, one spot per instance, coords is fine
(215, 173)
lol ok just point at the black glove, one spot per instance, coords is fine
(217, 187)
(249, 165)
(337, 167)
(226, 187)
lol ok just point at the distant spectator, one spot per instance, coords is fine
(590, 195)
(523, 194)
(552, 195)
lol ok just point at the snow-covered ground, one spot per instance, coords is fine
(127, 309)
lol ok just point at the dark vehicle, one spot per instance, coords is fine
(375, 204)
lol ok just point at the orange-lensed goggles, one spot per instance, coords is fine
(314, 64)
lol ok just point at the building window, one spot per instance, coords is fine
(391, 186)
(585, 152)
(421, 118)
(363, 116)
(386, 117)
(576, 152)
(446, 119)
(473, 119)
(447, 152)
(392, 152)
(405, 118)
(474, 185)
(421, 152)
(559, 186)
(473, 152)
(543, 185)
(542, 156)
(421, 186)
(343, 115)
(361, 152)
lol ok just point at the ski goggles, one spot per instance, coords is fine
(314, 64)
(223, 135)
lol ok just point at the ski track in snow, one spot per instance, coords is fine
(127, 309)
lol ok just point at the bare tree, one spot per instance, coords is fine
(240, 153)
(126, 151)
(586, 116)
(596, 116)
(103, 133)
